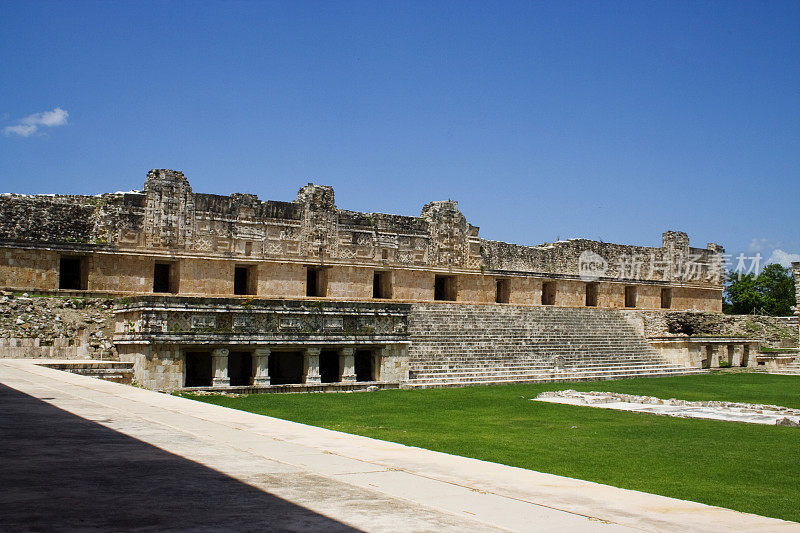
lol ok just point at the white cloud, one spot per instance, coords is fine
(783, 258)
(30, 124)
(23, 130)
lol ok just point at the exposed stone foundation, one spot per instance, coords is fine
(776, 332)
(71, 328)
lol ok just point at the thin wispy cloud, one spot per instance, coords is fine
(32, 123)
(782, 258)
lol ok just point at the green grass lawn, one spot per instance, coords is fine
(748, 467)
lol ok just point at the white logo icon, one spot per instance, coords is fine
(591, 266)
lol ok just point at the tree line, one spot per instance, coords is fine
(772, 292)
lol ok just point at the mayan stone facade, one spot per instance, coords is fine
(169, 239)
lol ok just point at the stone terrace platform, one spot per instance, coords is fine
(82, 453)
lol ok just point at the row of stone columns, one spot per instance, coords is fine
(712, 354)
(220, 378)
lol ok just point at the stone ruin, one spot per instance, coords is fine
(227, 291)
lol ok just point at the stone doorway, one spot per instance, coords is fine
(72, 273)
(285, 368)
(329, 366)
(316, 282)
(244, 280)
(198, 369)
(630, 296)
(165, 278)
(364, 366)
(240, 369)
(591, 294)
(445, 288)
(548, 293)
(502, 293)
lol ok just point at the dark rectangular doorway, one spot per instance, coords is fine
(285, 368)
(364, 366)
(244, 280)
(329, 366)
(444, 288)
(549, 293)
(381, 285)
(630, 296)
(315, 282)
(72, 274)
(666, 298)
(591, 294)
(502, 293)
(198, 369)
(165, 278)
(240, 369)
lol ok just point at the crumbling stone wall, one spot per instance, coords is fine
(56, 327)
(67, 219)
(119, 237)
(777, 332)
(674, 261)
(168, 215)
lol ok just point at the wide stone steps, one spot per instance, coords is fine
(477, 376)
(473, 365)
(456, 345)
(545, 378)
(791, 368)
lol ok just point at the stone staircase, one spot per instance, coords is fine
(791, 368)
(116, 371)
(458, 345)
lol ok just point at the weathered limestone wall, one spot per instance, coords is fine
(206, 277)
(282, 280)
(120, 273)
(675, 260)
(524, 291)
(476, 289)
(46, 218)
(776, 332)
(697, 299)
(392, 363)
(349, 282)
(717, 352)
(35, 269)
(120, 236)
(155, 367)
(413, 285)
(155, 333)
(63, 328)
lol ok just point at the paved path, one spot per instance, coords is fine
(79, 453)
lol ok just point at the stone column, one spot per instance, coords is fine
(261, 366)
(219, 363)
(377, 362)
(311, 365)
(714, 356)
(738, 352)
(347, 367)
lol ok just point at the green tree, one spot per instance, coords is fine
(772, 292)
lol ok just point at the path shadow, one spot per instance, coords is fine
(62, 472)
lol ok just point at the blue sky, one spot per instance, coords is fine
(545, 120)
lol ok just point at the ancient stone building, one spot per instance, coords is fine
(237, 281)
(168, 239)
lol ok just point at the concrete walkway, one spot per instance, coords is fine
(80, 453)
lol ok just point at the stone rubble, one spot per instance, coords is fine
(719, 410)
(43, 322)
